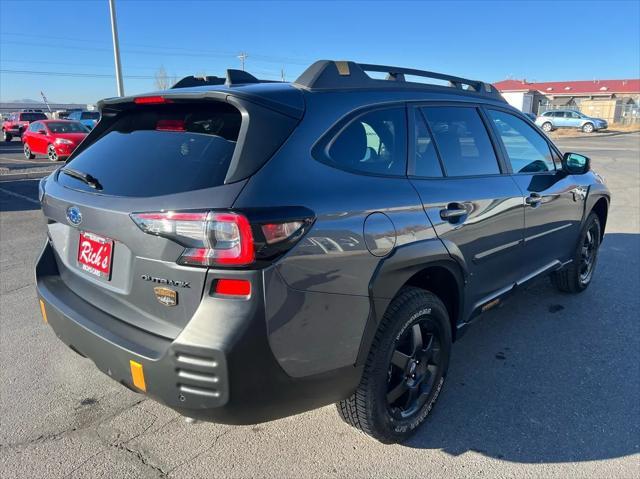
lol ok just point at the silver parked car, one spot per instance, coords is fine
(550, 120)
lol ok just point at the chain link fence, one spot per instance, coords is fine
(630, 114)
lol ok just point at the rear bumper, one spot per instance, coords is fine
(218, 369)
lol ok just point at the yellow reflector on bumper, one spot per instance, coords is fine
(137, 374)
(43, 311)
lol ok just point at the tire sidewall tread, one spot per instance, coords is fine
(367, 409)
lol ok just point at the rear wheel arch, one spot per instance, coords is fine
(442, 279)
(439, 273)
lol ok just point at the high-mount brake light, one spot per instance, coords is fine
(210, 238)
(170, 125)
(151, 100)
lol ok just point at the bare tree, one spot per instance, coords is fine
(162, 80)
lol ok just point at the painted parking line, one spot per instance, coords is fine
(595, 148)
(18, 195)
(19, 160)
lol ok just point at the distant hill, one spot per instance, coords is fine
(26, 100)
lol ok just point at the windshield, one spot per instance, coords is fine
(90, 115)
(32, 116)
(161, 150)
(66, 127)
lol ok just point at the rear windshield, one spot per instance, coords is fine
(161, 150)
(66, 127)
(90, 115)
(32, 116)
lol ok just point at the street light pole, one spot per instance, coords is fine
(116, 47)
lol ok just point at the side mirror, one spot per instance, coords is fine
(575, 164)
(42, 132)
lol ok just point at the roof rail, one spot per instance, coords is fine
(338, 75)
(232, 78)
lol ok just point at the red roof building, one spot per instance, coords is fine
(614, 100)
(619, 88)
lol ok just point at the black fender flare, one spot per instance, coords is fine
(395, 270)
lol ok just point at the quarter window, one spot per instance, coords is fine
(462, 141)
(426, 157)
(374, 143)
(527, 150)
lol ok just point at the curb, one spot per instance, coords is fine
(598, 135)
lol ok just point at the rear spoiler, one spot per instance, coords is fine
(232, 78)
(272, 122)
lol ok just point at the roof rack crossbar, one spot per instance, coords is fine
(335, 75)
(395, 72)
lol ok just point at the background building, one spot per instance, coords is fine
(9, 107)
(617, 101)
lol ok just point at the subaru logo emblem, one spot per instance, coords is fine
(74, 216)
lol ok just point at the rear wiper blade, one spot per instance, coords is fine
(84, 177)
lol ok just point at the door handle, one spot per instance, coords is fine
(452, 212)
(533, 199)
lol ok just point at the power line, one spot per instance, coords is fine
(161, 49)
(71, 74)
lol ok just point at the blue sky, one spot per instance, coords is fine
(540, 41)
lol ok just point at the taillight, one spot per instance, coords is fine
(276, 232)
(215, 238)
(210, 238)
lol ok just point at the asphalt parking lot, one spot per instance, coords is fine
(546, 386)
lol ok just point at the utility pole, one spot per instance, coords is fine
(282, 75)
(243, 56)
(116, 47)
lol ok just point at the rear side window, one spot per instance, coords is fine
(66, 127)
(161, 150)
(374, 143)
(462, 140)
(426, 157)
(32, 116)
(528, 152)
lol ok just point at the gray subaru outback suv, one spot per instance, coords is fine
(242, 250)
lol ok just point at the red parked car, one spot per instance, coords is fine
(18, 122)
(55, 138)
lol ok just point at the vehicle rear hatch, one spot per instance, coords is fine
(191, 150)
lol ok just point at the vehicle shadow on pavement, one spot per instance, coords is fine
(549, 377)
(19, 195)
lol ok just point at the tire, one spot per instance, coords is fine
(52, 154)
(6, 136)
(577, 276)
(396, 393)
(588, 128)
(27, 152)
(547, 127)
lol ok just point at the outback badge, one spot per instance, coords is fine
(166, 296)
